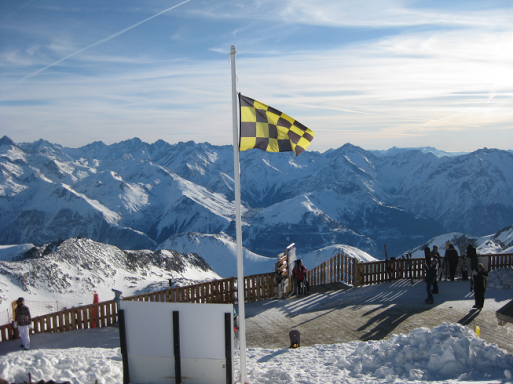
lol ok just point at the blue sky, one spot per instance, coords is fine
(374, 73)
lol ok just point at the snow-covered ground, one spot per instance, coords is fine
(450, 353)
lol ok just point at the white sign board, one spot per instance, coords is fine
(291, 253)
(150, 344)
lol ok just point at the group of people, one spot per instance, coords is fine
(434, 261)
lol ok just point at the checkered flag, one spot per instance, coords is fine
(268, 129)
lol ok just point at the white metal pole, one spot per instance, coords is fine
(238, 222)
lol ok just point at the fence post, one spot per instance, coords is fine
(356, 273)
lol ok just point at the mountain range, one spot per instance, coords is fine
(135, 195)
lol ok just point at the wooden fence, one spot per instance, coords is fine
(257, 287)
(338, 268)
(357, 274)
(501, 260)
(90, 316)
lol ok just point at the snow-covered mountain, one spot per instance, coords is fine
(220, 252)
(9, 252)
(136, 195)
(69, 271)
(500, 242)
(434, 151)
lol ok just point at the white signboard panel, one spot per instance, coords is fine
(150, 344)
(291, 252)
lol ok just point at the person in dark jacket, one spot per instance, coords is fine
(436, 257)
(479, 277)
(24, 322)
(472, 255)
(451, 257)
(427, 255)
(430, 279)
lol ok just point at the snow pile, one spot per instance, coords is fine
(449, 353)
(78, 365)
(501, 278)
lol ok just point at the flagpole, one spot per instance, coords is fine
(238, 223)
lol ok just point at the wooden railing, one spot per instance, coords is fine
(90, 316)
(338, 268)
(218, 291)
(257, 287)
(349, 270)
(377, 272)
(499, 260)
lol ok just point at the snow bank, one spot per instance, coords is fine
(78, 365)
(449, 353)
(501, 278)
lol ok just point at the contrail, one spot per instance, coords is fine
(100, 42)
(19, 9)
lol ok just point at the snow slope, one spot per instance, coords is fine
(500, 242)
(220, 252)
(315, 258)
(9, 252)
(68, 272)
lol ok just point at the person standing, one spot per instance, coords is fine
(427, 256)
(479, 277)
(472, 255)
(300, 273)
(451, 257)
(436, 257)
(430, 279)
(23, 321)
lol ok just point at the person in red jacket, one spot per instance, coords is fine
(301, 274)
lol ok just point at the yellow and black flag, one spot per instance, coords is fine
(266, 128)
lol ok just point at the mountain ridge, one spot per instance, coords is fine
(136, 195)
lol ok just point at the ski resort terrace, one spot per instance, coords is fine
(339, 269)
